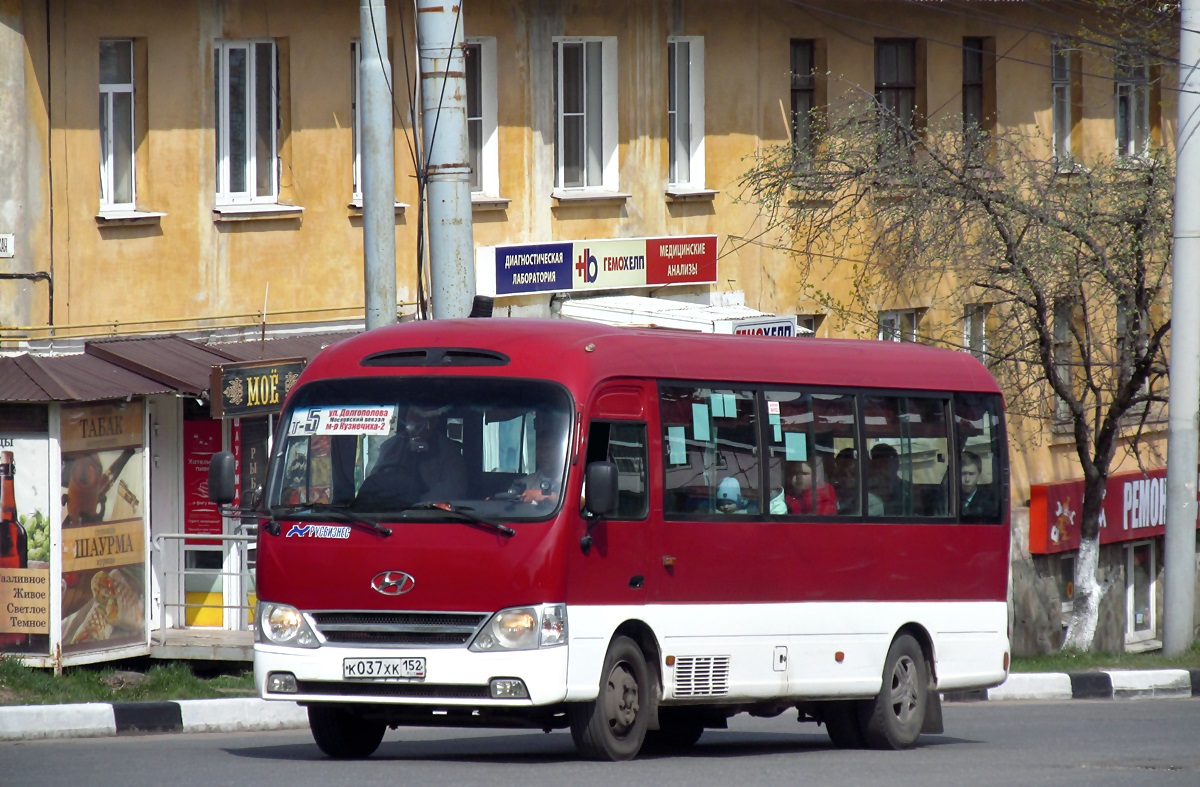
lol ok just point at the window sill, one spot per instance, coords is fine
(566, 196)
(483, 202)
(683, 194)
(256, 211)
(356, 207)
(127, 218)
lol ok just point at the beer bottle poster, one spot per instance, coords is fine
(104, 532)
(25, 592)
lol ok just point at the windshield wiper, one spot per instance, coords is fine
(340, 513)
(463, 515)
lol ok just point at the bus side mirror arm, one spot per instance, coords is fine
(600, 498)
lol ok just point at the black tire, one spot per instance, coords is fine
(344, 734)
(678, 729)
(613, 726)
(841, 719)
(894, 719)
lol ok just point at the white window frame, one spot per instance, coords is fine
(224, 193)
(486, 182)
(356, 129)
(1131, 107)
(110, 93)
(685, 136)
(899, 325)
(607, 178)
(975, 339)
(1061, 75)
(1132, 635)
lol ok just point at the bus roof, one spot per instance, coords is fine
(577, 352)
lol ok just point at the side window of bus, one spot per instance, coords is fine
(623, 444)
(978, 436)
(710, 446)
(908, 455)
(809, 438)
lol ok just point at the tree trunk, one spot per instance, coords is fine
(1085, 614)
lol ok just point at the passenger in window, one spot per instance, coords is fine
(976, 500)
(807, 494)
(420, 463)
(729, 498)
(883, 478)
(845, 484)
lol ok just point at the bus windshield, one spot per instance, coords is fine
(386, 447)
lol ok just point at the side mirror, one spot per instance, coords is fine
(221, 486)
(601, 489)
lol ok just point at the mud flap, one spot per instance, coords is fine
(933, 714)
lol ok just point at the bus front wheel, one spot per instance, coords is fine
(613, 726)
(344, 734)
(894, 719)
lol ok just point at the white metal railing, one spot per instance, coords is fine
(236, 575)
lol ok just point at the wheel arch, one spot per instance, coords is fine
(925, 641)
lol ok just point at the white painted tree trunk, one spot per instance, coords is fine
(1085, 614)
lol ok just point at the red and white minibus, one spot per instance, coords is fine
(633, 534)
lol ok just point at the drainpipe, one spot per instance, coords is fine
(378, 166)
(441, 48)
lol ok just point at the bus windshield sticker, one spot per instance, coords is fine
(778, 432)
(773, 410)
(717, 401)
(678, 449)
(795, 447)
(356, 420)
(700, 422)
(730, 405)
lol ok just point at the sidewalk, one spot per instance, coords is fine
(99, 720)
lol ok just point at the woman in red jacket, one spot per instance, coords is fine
(805, 494)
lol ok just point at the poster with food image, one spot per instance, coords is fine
(104, 530)
(25, 597)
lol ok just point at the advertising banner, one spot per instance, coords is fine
(1135, 507)
(201, 439)
(25, 544)
(596, 265)
(104, 530)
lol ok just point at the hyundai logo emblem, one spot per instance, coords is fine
(392, 583)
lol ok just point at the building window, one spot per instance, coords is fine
(899, 326)
(804, 94)
(1062, 84)
(1064, 312)
(356, 117)
(896, 87)
(1132, 110)
(585, 133)
(247, 100)
(809, 323)
(978, 89)
(975, 330)
(483, 142)
(117, 181)
(685, 111)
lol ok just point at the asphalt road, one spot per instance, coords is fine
(989, 743)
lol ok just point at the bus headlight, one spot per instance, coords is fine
(524, 628)
(281, 624)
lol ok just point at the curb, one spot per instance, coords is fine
(1102, 685)
(102, 720)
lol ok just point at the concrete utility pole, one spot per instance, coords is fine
(440, 45)
(1182, 429)
(377, 156)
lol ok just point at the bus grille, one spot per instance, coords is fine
(701, 676)
(426, 629)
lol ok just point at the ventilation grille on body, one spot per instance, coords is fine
(701, 676)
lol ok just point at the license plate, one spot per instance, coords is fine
(383, 669)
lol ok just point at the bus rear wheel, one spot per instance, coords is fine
(613, 726)
(344, 734)
(894, 719)
(678, 729)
